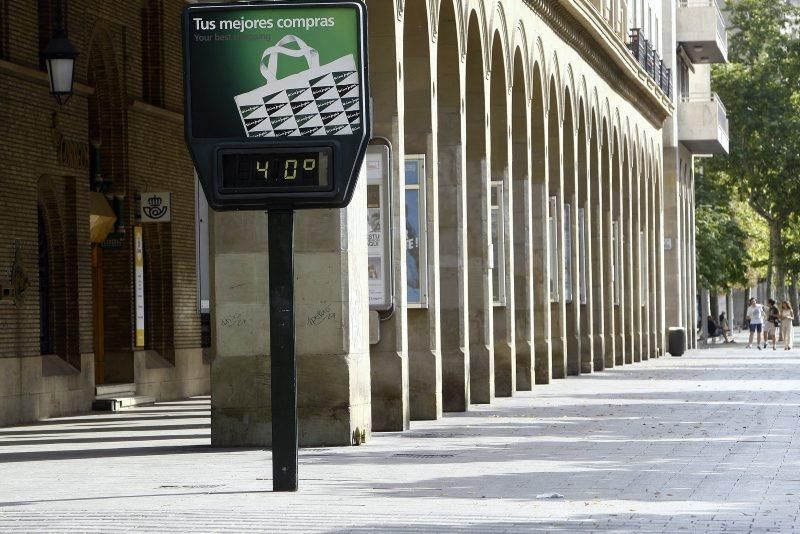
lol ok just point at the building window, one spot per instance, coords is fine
(153, 53)
(49, 13)
(416, 229)
(498, 244)
(583, 261)
(552, 225)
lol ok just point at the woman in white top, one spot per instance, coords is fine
(755, 314)
(787, 316)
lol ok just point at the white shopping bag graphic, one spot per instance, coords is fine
(322, 100)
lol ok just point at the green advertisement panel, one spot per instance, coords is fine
(267, 72)
(277, 108)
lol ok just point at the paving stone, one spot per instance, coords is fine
(707, 442)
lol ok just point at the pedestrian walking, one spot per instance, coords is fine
(787, 317)
(755, 318)
(772, 323)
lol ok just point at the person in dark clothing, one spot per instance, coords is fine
(772, 323)
(714, 330)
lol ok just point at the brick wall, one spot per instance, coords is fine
(142, 150)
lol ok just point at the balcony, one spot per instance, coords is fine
(650, 61)
(703, 123)
(701, 31)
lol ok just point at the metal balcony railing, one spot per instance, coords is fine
(722, 33)
(651, 62)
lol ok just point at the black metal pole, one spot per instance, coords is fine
(284, 368)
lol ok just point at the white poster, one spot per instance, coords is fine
(583, 262)
(139, 282)
(378, 239)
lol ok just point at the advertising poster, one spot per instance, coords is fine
(415, 228)
(378, 240)
(274, 72)
(139, 283)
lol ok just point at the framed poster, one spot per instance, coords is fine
(616, 264)
(642, 269)
(568, 253)
(583, 260)
(552, 222)
(139, 284)
(416, 231)
(379, 238)
(498, 244)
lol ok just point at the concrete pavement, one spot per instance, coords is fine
(704, 443)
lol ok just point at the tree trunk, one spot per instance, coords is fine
(714, 306)
(780, 263)
(793, 297)
(703, 313)
(770, 258)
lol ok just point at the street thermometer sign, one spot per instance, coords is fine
(277, 119)
(277, 108)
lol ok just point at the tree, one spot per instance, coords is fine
(761, 91)
(721, 242)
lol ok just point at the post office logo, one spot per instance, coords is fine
(156, 207)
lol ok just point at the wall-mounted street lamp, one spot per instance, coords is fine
(60, 59)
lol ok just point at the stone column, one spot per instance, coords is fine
(504, 330)
(478, 158)
(631, 257)
(330, 319)
(453, 257)
(389, 358)
(620, 313)
(522, 216)
(673, 270)
(570, 194)
(584, 200)
(540, 237)
(558, 308)
(597, 265)
(692, 257)
(420, 130)
(607, 191)
(640, 266)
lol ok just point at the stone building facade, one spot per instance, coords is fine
(542, 140)
(541, 136)
(67, 321)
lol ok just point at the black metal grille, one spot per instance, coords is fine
(646, 55)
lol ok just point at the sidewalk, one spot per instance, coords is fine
(704, 443)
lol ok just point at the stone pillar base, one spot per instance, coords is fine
(481, 374)
(425, 379)
(525, 367)
(455, 380)
(505, 369)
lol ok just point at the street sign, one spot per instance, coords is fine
(277, 107)
(277, 118)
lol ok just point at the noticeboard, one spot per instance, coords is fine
(277, 95)
(379, 226)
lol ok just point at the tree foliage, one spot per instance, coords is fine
(760, 87)
(721, 242)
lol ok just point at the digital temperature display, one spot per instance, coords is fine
(276, 170)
